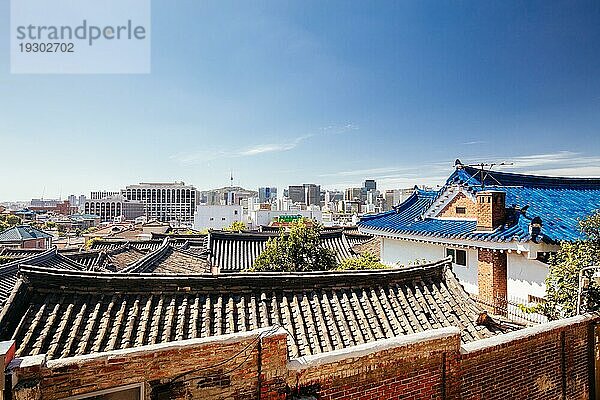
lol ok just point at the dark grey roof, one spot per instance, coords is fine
(237, 251)
(90, 259)
(168, 259)
(67, 313)
(49, 258)
(112, 244)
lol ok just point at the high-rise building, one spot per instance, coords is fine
(174, 203)
(369, 185)
(308, 194)
(267, 194)
(108, 208)
(296, 193)
(352, 194)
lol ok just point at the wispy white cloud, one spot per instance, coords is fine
(473, 142)
(206, 155)
(563, 163)
(271, 147)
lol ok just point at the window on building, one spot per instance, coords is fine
(129, 392)
(458, 256)
(461, 210)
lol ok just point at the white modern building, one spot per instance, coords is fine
(218, 217)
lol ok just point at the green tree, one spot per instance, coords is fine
(236, 226)
(8, 221)
(563, 278)
(297, 251)
(365, 261)
(50, 225)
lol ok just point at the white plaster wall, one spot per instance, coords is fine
(467, 275)
(525, 276)
(401, 252)
(394, 252)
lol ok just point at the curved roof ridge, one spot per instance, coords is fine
(102, 281)
(497, 178)
(144, 262)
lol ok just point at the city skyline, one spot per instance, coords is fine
(315, 92)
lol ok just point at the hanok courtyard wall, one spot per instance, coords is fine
(549, 361)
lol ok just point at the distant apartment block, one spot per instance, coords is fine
(174, 203)
(109, 208)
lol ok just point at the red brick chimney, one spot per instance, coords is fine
(491, 210)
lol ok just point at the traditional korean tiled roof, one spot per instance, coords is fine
(21, 233)
(17, 252)
(90, 259)
(112, 244)
(67, 313)
(237, 251)
(49, 258)
(559, 202)
(168, 259)
(355, 238)
(122, 257)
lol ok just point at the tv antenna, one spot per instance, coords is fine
(485, 169)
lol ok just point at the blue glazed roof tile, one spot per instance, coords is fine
(560, 202)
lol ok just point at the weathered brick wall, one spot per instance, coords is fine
(491, 276)
(415, 370)
(491, 210)
(550, 361)
(460, 200)
(213, 369)
(555, 364)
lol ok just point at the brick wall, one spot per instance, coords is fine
(460, 200)
(414, 369)
(491, 210)
(552, 364)
(549, 361)
(491, 276)
(214, 368)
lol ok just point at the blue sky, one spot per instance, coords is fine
(308, 91)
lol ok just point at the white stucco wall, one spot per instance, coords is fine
(467, 275)
(396, 252)
(525, 277)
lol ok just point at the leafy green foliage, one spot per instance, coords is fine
(297, 251)
(49, 225)
(365, 261)
(90, 242)
(563, 278)
(8, 221)
(236, 226)
(7, 259)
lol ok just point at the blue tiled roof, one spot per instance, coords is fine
(560, 202)
(22, 232)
